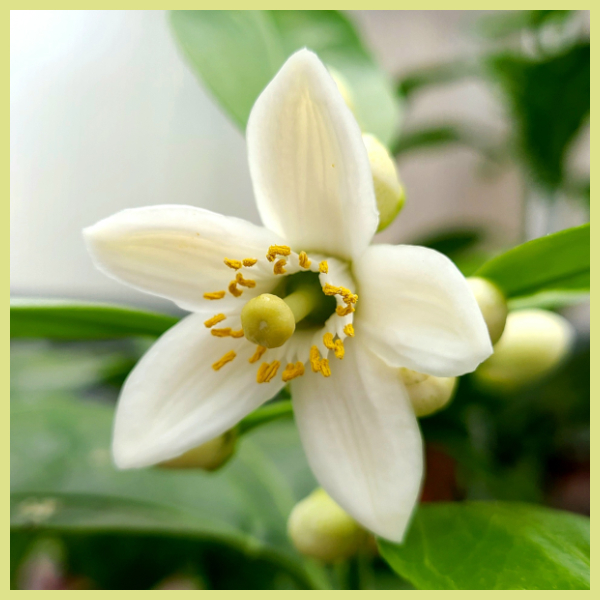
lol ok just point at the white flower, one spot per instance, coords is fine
(395, 306)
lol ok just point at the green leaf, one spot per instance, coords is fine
(556, 262)
(266, 414)
(237, 53)
(452, 241)
(63, 481)
(512, 22)
(64, 320)
(493, 546)
(434, 75)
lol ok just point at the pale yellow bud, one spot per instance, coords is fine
(209, 456)
(492, 304)
(268, 321)
(533, 344)
(389, 192)
(343, 87)
(319, 528)
(427, 393)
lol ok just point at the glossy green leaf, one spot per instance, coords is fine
(63, 480)
(554, 263)
(493, 546)
(237, 53)
(64, 320)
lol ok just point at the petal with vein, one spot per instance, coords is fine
(416, 310)
(173, 400)
(310, 169)
(177, 252)
(362, 440)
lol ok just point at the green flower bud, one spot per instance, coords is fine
(389, 192)
(427, 393)
(492, 304)
(533, 344)
(208, 456)
(319, 528)
(268, 321)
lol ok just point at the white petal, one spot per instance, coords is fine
(174, 400)
(362, 440)
(310, 169)
(416, 310)
(177, 252)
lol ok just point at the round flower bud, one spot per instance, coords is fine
(492, 305)
(389, 192)
(427, 393)
(319, 528)
(208, 456)
(268, 321)
(343, 87)
(534, 343)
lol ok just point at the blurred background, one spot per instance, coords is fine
(107, 114)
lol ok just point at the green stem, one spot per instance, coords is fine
(303, 301)
(266, 414)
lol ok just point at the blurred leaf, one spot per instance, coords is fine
(550, 101)
(507, 23)
(237, 53)
(266, 414)
(493, 545)
(557, 262)
(549, 300)
(64, 320)
(434, 75)
(63, 480)
(452, 241)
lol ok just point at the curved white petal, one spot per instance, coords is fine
(362, 440)
(174, 400)
(416, 310)
(310, 169)
(177, 252)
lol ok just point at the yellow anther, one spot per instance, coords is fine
(328, 341)
(232, 263)
(260, 350)
(237, 334)
(267, 371)
(249, 262)
(323, 267)
(214, 295)
(292, 371)
(249, 283)
(304, 260)
(349, 330)
(214, 320)
(338, 349)
(275, 251)
(324, 368)
(278, 267)
(234, 290)
(315, 359)
(350, 298)
(224, 332)
(342, 311)
(224, 360)
(331, 290)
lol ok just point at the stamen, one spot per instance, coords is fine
(224, 360)
(224, 332)
(214, 320)
(249, 283)
(260, 350)
(292, 371)
(237, 334)
(324, 368)
(234, 290)
(328, 341)
(339, 350)
(274, 251)
(278, 267)
(267, 371)
(233, 264)
(349, 330)
(350, 298)
(323, 267)
(342, 311)
(331, 290)
(249, 262)
(315, 359)
(304, 260)
(214, 295)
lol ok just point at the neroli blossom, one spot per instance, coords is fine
(304, 300)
